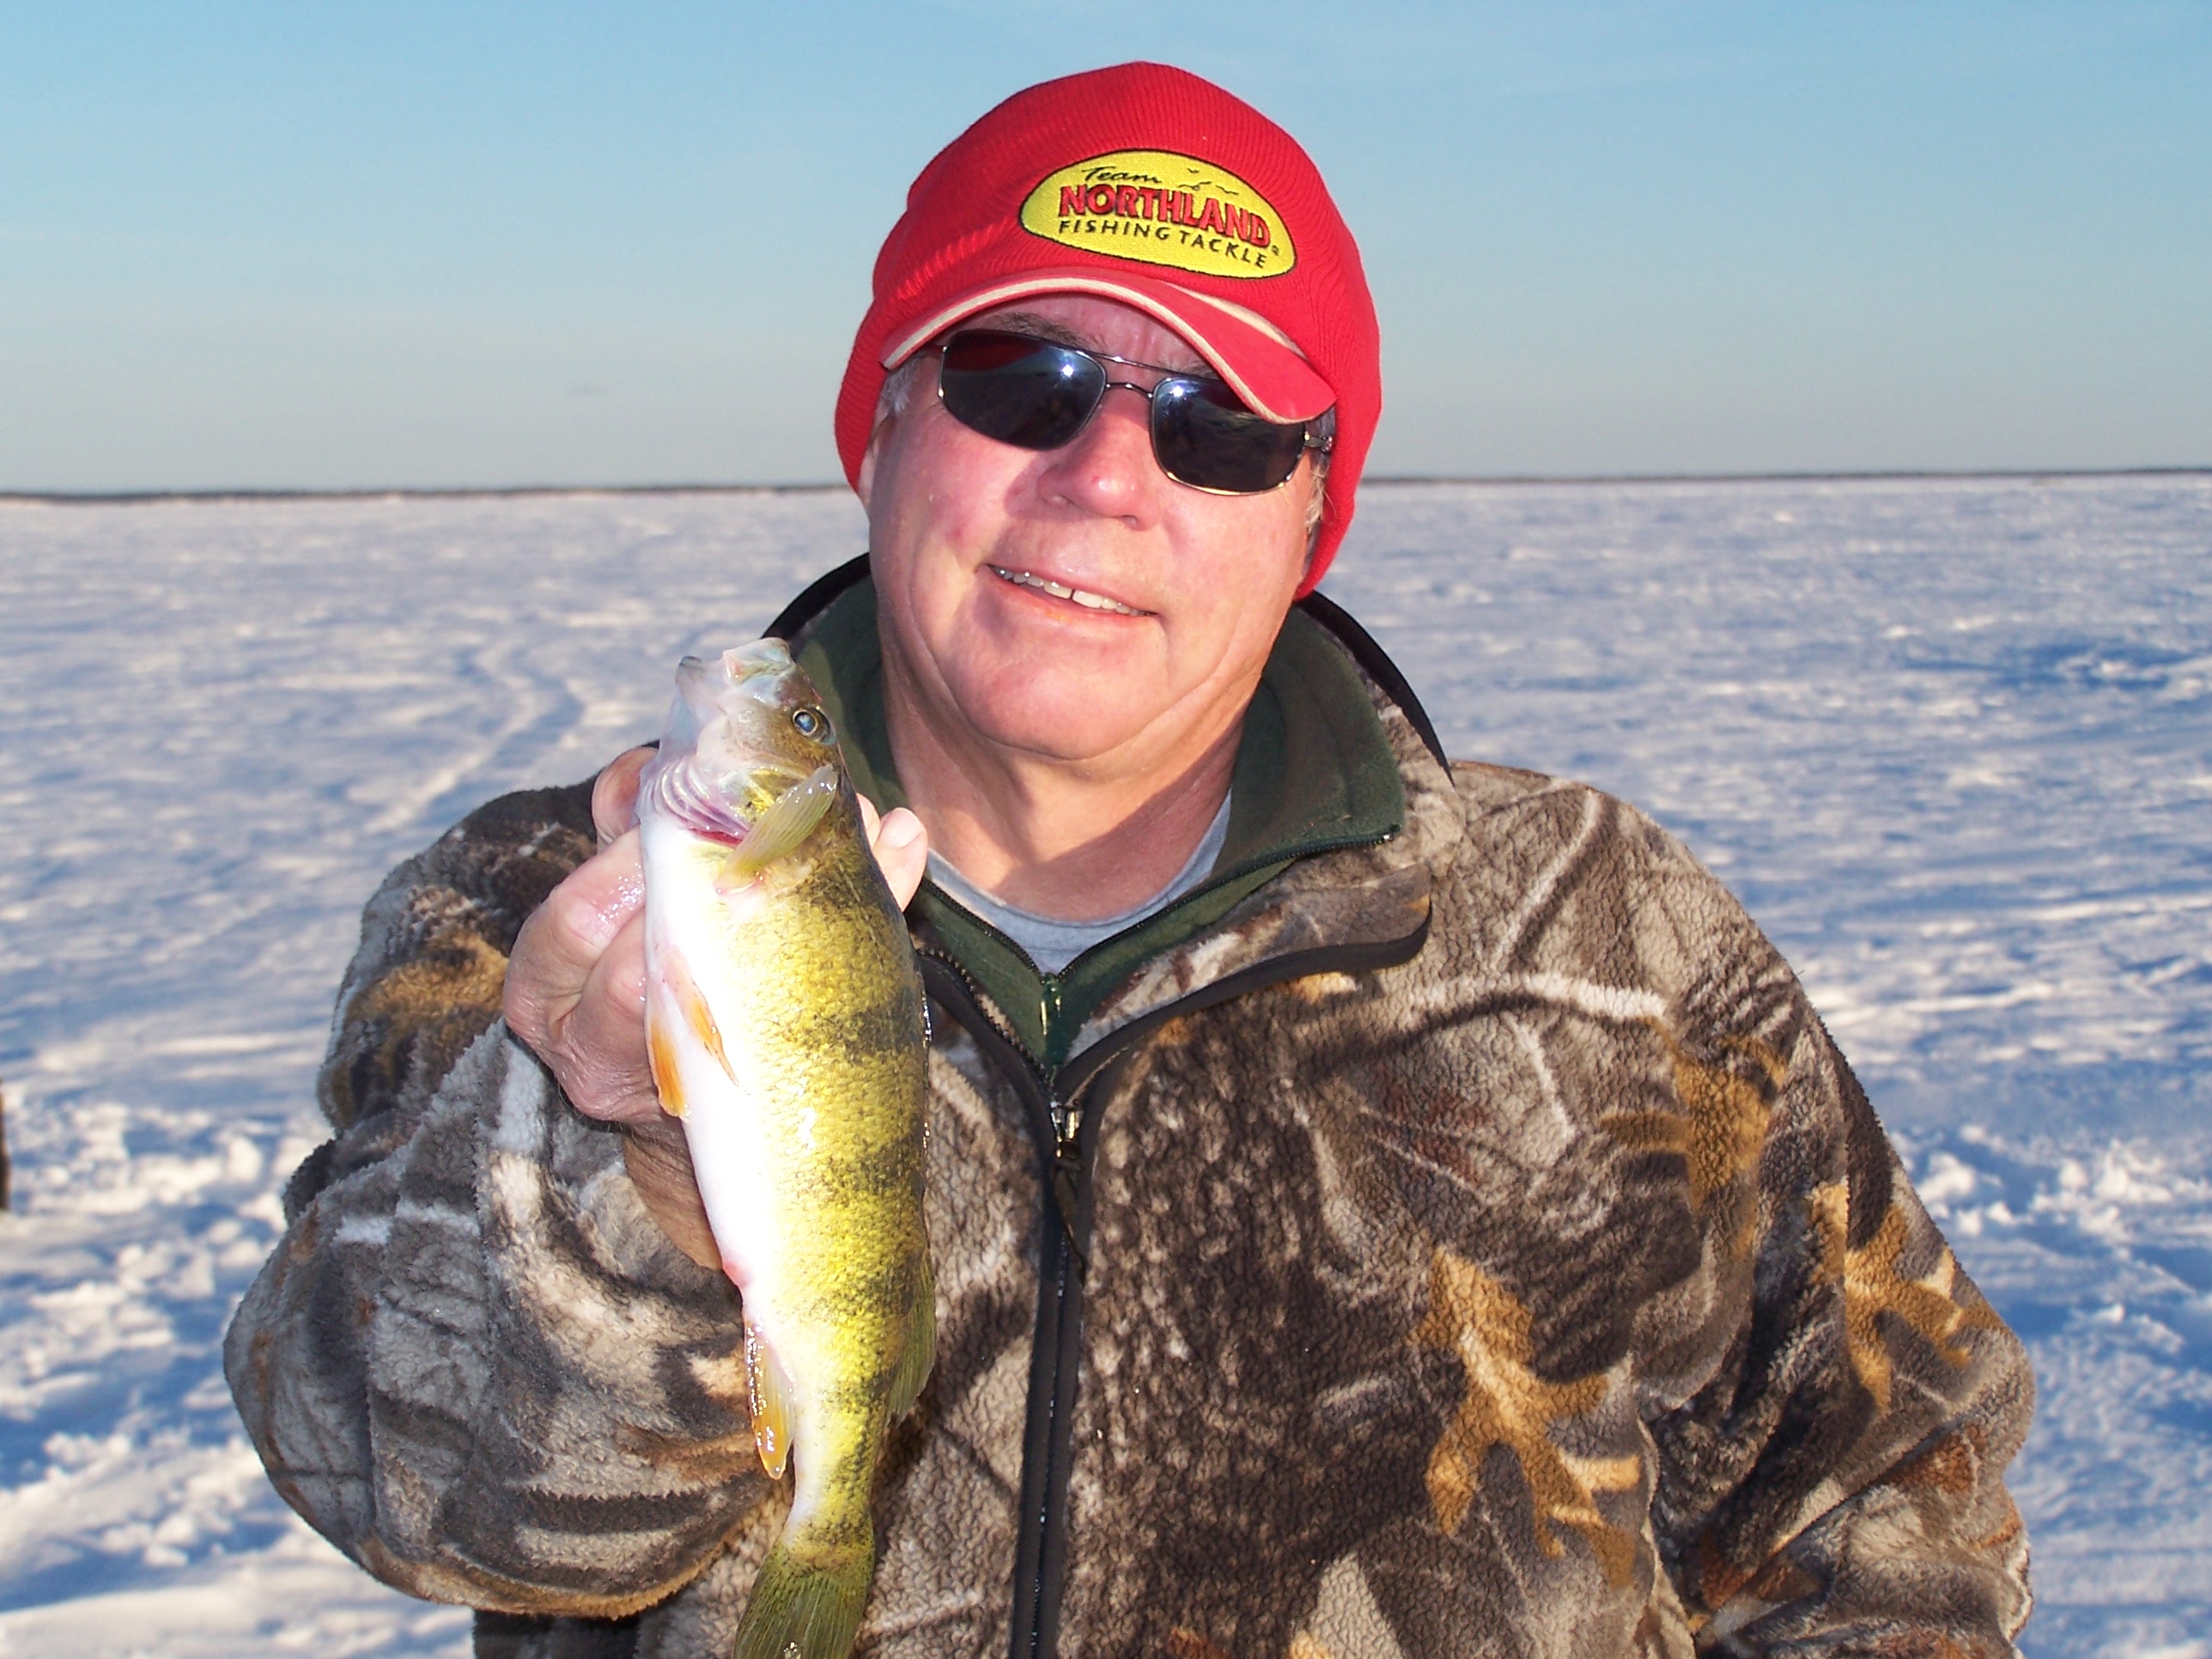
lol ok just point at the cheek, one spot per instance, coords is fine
(1247, 559)
(924, 508)
(950, 482)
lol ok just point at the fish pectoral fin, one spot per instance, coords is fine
(770, 1388)
(789, 820)
(921, 1346)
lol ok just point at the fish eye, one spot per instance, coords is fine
(812, 723)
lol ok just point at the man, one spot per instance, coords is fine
(1381, 1206)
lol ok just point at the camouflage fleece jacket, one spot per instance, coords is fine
(1471, 1243)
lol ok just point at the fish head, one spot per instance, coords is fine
(746, 729)
(750, 709)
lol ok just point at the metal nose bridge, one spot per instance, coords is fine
(1147, 392)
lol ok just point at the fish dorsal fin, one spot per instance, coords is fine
(771, 1403)
(920, 1344)
(789, 820)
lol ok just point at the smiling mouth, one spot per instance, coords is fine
(1059, 590)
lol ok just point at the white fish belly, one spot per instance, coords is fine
(688, 931)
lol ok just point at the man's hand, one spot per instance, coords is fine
(575, 985)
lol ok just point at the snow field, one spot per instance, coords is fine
(1951, 740)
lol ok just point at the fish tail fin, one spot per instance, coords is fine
(809, 1608)
(920, 1345)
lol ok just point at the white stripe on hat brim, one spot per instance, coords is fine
(1262, 366)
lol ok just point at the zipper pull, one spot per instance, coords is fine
(1048, 995)
(1066, 1169)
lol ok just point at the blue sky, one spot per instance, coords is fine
(307, 245)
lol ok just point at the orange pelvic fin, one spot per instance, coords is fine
(691, 1004)
(771, 1403)
(661, 1054)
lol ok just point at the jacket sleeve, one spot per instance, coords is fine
(475, 1362)
(1706, 1377)
(1835, 1485)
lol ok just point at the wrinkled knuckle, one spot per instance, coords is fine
(522, 1000)
(566, 909)
(518, 1009)
(597, 1094)
(571, 927)
(624, 986)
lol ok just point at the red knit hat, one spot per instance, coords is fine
(1149, 186)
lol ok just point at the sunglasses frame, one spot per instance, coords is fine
(1323, 442)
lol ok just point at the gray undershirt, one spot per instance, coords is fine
(1051, 943)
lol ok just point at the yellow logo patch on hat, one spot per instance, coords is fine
(1163, 209)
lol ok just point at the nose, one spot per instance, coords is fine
(1109, 470)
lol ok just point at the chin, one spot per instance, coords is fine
(1060, 741)
(1070, 725)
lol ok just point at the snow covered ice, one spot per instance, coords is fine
(1950, 741)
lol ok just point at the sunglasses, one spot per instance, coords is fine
(1038, 394)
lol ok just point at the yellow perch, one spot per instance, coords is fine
(784, 1019)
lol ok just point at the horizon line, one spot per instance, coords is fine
(462, 492)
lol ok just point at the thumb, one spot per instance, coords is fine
(614, 794)
(901, 846)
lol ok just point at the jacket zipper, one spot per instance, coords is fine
(1040, 1548)
(1066, 1134)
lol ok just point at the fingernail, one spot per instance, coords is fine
(903, 830)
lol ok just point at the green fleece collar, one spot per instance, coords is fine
(1314, 773)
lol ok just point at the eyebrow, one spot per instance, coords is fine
(1026, 322)
(1043, 328)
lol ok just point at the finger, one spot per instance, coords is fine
(554, 953)
(660, 1164)
(600, 1042)
(901, 848)
(614, 794)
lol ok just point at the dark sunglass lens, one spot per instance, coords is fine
(1205, 438)
(1020, 391)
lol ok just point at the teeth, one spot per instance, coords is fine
(1093, 601)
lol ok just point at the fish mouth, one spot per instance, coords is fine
(756, 656)
(758, 669)
(710, 776)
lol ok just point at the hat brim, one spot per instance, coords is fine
(1262, 366)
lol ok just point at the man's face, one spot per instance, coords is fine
(1186, 591)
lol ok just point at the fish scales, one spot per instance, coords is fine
(785, 1024)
